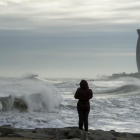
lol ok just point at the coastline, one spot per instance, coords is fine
(68, 133)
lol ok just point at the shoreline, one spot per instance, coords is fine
(67, 133)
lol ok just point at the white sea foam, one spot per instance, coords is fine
(115, 104)
(31, 93)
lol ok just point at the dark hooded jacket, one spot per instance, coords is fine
(84, 94)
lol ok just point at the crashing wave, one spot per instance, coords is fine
(30, 76)
(10, 102)
(29, 94)
(124, 89)
(34, 102)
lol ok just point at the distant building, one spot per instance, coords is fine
(133, 75)
(138, 51)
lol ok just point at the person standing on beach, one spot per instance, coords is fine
(84, 94)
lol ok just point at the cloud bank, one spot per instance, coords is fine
(32, 14)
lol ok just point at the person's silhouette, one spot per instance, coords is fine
(84, 94)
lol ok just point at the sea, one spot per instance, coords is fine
(34, 102)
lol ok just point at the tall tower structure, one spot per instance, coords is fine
(138, 51)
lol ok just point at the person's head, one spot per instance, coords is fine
(84, 84)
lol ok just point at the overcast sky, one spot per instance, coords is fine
(68, 38)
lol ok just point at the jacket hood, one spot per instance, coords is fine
(84, 84)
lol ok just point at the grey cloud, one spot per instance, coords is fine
(68, 29)
(12, 22)
(25, 39)
(67, 24)
(132, 8)
(32, 14)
